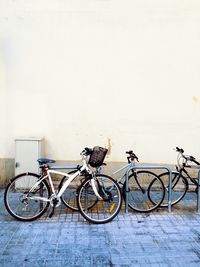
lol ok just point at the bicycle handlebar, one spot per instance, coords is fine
(129, 152)
(187, 158)
(132, 156)
(179, 150)
(194, 160)
(87, 151)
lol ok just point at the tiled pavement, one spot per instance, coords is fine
(133, 239)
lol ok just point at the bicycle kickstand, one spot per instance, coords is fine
(55, 202)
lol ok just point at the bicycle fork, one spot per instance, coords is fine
(95, 189)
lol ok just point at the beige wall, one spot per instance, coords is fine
(124, 74)
(6, 171)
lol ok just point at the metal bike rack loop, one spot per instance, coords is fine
(198, 194)
(154, 167)
(198, 189)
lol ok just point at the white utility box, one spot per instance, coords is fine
(27, 151)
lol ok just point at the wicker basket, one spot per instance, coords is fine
(97, 156)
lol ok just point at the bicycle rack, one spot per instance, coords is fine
(198, 194)
(155, 168)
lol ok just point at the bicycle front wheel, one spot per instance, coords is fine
(109, 203)
(140, 195)
(22, 202)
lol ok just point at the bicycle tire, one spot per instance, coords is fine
(178, 182)
(69, 197)
(139, 191)
(107, 208)
(17, 202)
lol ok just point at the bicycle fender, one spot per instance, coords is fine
(22, 174)
(95, 189)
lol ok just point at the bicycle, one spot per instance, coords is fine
(28, 195)
(180, 178)
(140, 195)
(69, 197)
(139, 192)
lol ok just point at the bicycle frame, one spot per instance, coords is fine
(127, 166)
(186, 175)
(70, 177)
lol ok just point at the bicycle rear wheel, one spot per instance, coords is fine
(19, 199)
(140, 195)
(105, 209)
(179, 188)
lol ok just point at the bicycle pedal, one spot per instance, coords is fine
(55, 201)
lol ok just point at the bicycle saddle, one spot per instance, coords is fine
(45, 161)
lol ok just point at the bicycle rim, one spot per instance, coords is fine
(20, 202)
(139, 194)
(105, 209)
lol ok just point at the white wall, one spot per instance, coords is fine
(81, 73)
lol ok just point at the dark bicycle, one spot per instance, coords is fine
(181, 179)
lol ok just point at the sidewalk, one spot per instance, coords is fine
(133, 239)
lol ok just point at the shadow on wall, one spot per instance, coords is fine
(7, 171)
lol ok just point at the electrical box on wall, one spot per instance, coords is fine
(27, 151)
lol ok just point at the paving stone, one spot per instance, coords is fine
(156, 239)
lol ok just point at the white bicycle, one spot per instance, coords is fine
(28, 195)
